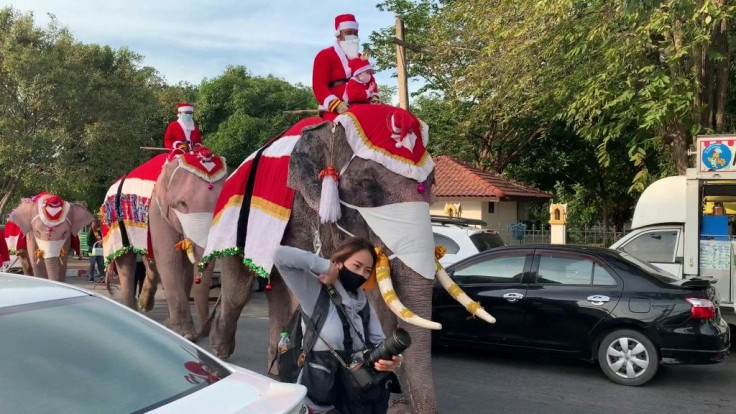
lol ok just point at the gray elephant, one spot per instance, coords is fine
(391, 209)
(49, 223)
(165, 205)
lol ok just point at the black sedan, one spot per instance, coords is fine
(589, 303)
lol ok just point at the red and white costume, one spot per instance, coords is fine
(182, 132)
(361, 92)
(331, 71)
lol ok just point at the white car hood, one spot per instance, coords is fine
(241, 392)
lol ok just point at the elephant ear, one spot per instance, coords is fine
(79, 217)
(312, 155)
(23, 215)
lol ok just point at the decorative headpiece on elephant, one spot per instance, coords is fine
(166, 207)
(49, 224)
(376, 195)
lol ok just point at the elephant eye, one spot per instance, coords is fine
(182, 204)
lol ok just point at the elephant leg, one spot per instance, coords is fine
(25, 264)
(416, 293)
(38, 265)
(236, 287)
(125, 266)
(281, 306)
(201, 295)
(173, 272)
(146, 299)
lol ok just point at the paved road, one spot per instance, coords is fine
(492, 382)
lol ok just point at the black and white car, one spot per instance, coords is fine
(463, 237)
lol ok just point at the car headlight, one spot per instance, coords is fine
(300, 409)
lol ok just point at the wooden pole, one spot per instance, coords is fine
(155, 149)
(401, 66)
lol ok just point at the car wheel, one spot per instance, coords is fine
(628, 357)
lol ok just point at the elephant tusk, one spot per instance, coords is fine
(188, 247)
(38, 254)
(385, 285)
(454, 290)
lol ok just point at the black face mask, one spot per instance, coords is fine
(350, 280)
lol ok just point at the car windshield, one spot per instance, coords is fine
(86, 355)
(648, 267)
(485, 241)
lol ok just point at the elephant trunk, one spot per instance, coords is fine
(54, 268)
(417, 366)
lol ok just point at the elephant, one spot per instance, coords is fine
(17, 247)
(178, 211)
(365, 183)
(49, 223)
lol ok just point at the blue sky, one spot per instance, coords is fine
(188, 41)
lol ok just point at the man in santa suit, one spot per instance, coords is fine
(331, 71)
(184, 132)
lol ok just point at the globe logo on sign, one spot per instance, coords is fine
(716, 156)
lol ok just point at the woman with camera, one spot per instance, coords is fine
(350, 327)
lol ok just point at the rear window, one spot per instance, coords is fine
(485, 241)
(85, 355)
(648, 268)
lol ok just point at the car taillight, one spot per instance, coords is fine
(701, 308)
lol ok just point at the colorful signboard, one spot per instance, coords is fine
(716, 156)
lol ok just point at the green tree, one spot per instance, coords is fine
(239, 112)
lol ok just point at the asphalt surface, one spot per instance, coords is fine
(485, 381)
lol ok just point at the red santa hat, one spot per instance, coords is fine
(184, 107)
(345, 21)
(359, 65)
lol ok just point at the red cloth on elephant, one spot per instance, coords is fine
(74, 246)
(175, 134)
(270, 204)
(4, 254)
(390, 136)
(14, 237)
(330, 67)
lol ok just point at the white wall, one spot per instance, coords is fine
(471, 208)
(505, 212)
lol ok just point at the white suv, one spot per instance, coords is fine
(460, 239)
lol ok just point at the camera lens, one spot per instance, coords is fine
(393, 345)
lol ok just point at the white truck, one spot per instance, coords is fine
(682, 224)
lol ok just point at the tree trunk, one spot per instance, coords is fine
(721, 77)
(8, 190)
(680, 141)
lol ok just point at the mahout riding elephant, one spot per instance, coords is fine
(17, 246)
(375, 199)
(49, 223)
(166, 205)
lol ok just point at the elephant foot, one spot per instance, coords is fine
(222, 351)
(400, 405)
(191, 337)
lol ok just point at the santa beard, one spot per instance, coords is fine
(186, 125)
(350, 47)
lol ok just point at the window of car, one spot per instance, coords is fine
(485, 241)
(572, 270)
(654, 246)
(449, 244)
(497, 269)
(86, 355)
(564, 270)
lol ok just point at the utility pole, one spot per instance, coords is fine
(401, 66)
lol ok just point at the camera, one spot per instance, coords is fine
(361, 367)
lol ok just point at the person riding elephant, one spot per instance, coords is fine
(49, 223)
(331, 72)
(338, 186)
(166, 205)
(183, 133)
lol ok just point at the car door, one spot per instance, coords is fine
(661, 247)
(498, 282)
(571, 293)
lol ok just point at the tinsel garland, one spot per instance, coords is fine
(256, 269)
(120, 252)
(232, 251)
(16, 252)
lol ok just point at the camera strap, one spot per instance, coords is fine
(309, 322)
